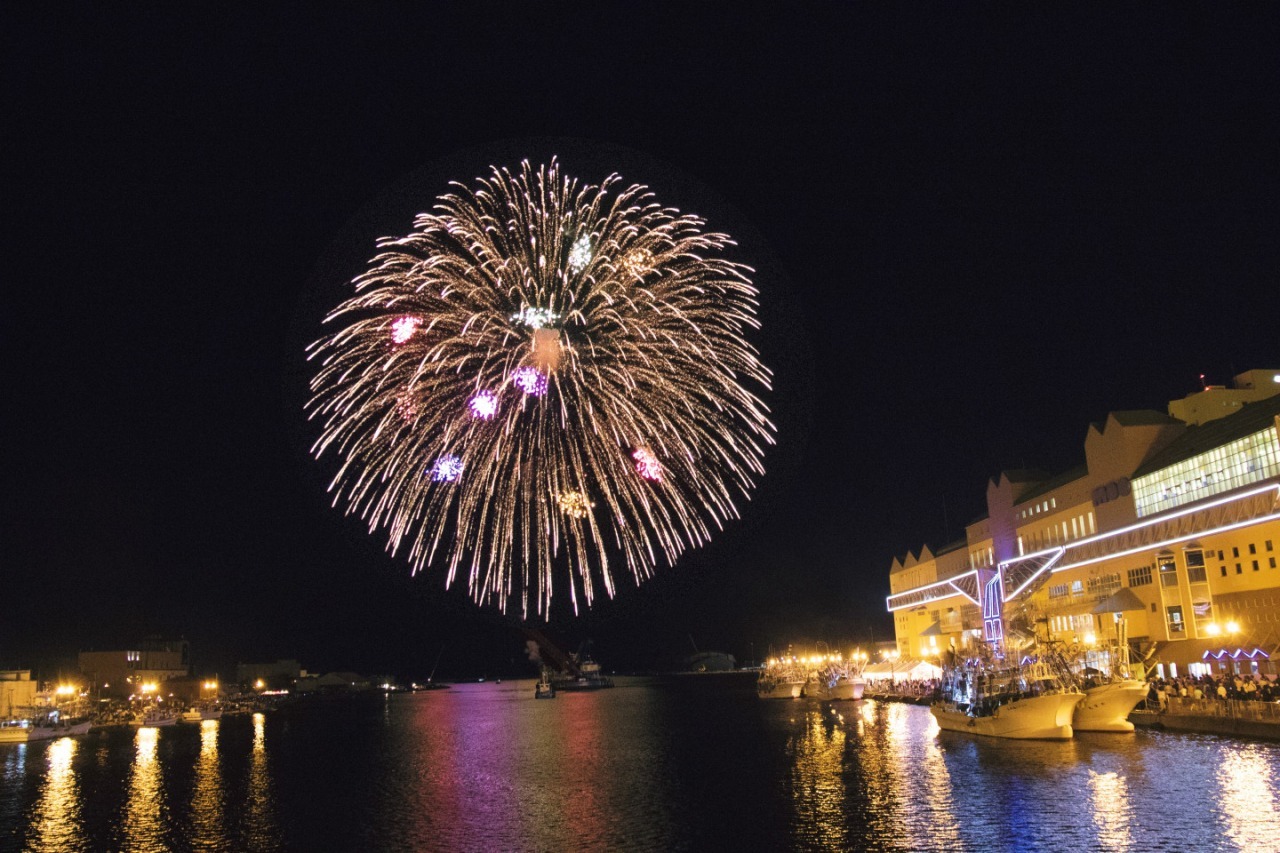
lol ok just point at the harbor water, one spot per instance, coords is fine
(673, 763)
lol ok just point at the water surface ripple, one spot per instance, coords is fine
(679, 763)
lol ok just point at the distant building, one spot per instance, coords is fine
(280, 675)
(1166, 540)
(120, 674)
(17, 690)
(339, 682)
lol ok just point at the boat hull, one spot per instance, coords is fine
(13, 734)
(781, 690)
(1034, 718)
(1106, 708)
(51, 732)
(844, 689)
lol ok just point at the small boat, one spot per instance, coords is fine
(59, 729)
(782, 678)
(835, 686)
(544, 689)
(1025, 703)
(13, 732)
(199, 715)
(155, 718)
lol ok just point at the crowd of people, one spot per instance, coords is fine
(1224, 686)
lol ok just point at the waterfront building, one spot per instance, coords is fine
(1166, 540)
(17, 691)
(128, 672)
(281, 675)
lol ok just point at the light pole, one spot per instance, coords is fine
(893, 660)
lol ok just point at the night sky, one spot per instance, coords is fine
(978, 228)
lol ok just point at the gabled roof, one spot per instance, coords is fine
(1122, 600)
(1252, 417)
(1049, 485)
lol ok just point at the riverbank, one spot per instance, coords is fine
(1249, 719)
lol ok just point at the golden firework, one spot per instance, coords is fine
(501, 361)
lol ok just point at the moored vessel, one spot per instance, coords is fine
(782, 678)
(1024, 703)
(1106, 706)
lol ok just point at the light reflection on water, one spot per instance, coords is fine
(144, 820)
(695, 764)
(56, 823)
(1247, 798)
(206, 803)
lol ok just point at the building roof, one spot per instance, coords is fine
(1252, 417)
(1122, 600)
(1048, 485)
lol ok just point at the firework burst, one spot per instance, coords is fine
(532, 341)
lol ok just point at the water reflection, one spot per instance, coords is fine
(55, 823)
(145, 812)
(260, 829)
(1112, 812)
(817, 783)
(1247, 798)
(206, 801)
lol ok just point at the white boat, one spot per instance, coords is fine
(782, 679)
(1029, 703)
(199, 715)
(57, 730)
(154, 718)
(13, 733)
(1106, 707)
(838, 686)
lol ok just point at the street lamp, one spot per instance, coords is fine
(893, 659)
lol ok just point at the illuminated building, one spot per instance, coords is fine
(122, 673)
(1168, 537)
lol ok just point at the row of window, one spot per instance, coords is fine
(1043, 506)
(1239, 463)
(1058, 533)
(1271, 564)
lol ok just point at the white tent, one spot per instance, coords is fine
(903, 670)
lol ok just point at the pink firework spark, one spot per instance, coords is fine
(402, 328)
(447, 469)
(531, 381)
(647, 465)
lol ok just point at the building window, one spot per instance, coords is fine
(1224, 571)
(1168, 570)
(1268, 544)
(1273, 562)
(1104, 584)
(1195, 566)
(1253, 548)
(1239, 570)
(1219, 555)
(1077, 588)
(1174, 615)
(1242, 462)
(1255, 565)
(1141, 576)
(1235, 552)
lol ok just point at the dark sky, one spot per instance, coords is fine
(979, 228)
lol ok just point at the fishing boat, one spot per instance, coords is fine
(154, 718)
(1028, 702)
(200, 714)
(1106, 705)
(841, 678)
(586, 675)
(782, 678)
(544, 689)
